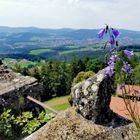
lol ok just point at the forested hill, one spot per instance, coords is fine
(25, 39)
(64, 32)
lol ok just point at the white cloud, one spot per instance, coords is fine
(71, 13)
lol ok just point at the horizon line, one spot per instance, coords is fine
(60, 28)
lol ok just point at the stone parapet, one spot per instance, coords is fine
(15, 87)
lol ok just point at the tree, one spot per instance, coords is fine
(77, 65)
(94, 65)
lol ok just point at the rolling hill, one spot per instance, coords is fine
(25, 39)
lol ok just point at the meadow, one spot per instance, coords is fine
(137, 54)
(67, 52)
(59, 103)
(40, 51)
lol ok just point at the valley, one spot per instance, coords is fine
(62, 44)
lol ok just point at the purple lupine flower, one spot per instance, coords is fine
(101, 33)
(115, 32)
(129, 54)
(112, 41)
(109, 71)
(127, 68)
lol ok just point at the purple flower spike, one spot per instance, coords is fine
(101, 33)
(112, 60)
(115, 32)
(111, 63)
(127, 68)
(112, 41)
(109, 71)
(129, 54)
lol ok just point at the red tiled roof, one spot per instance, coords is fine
(117, 105)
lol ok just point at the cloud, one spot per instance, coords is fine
(70, 13)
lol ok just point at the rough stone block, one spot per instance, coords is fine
(92, 98)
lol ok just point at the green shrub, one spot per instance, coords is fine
(6, 122)
(83, 76)
(11, 125)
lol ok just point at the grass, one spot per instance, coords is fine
(137, 54)
(12, 63)
(59, 103)
(62, 107)
(72, 47)
(8, 60)
(40, 51)
(76, 50)
(68, 51)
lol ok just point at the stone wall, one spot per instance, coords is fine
(69, 125)
(14, 88)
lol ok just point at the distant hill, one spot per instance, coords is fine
(25, 39)
(65, 32)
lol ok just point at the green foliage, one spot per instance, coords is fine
(24, 118)
(45, 117)
(6, 122)
(35, 72)
(18, 66)
(136, 74)
(121, 77)
(31, 126)
(94, 65)
(56, 79)
(83, 76)
(11, 125)
(77, 65)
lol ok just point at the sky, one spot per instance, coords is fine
(70, 13)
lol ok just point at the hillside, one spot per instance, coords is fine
(83, 42)
(22, 39)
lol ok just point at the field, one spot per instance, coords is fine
(12, 63)
(72, 47)
(67, 52)
(64, 50)
(76, 50)
(40, 51)
(137, 54)
(59, 103)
